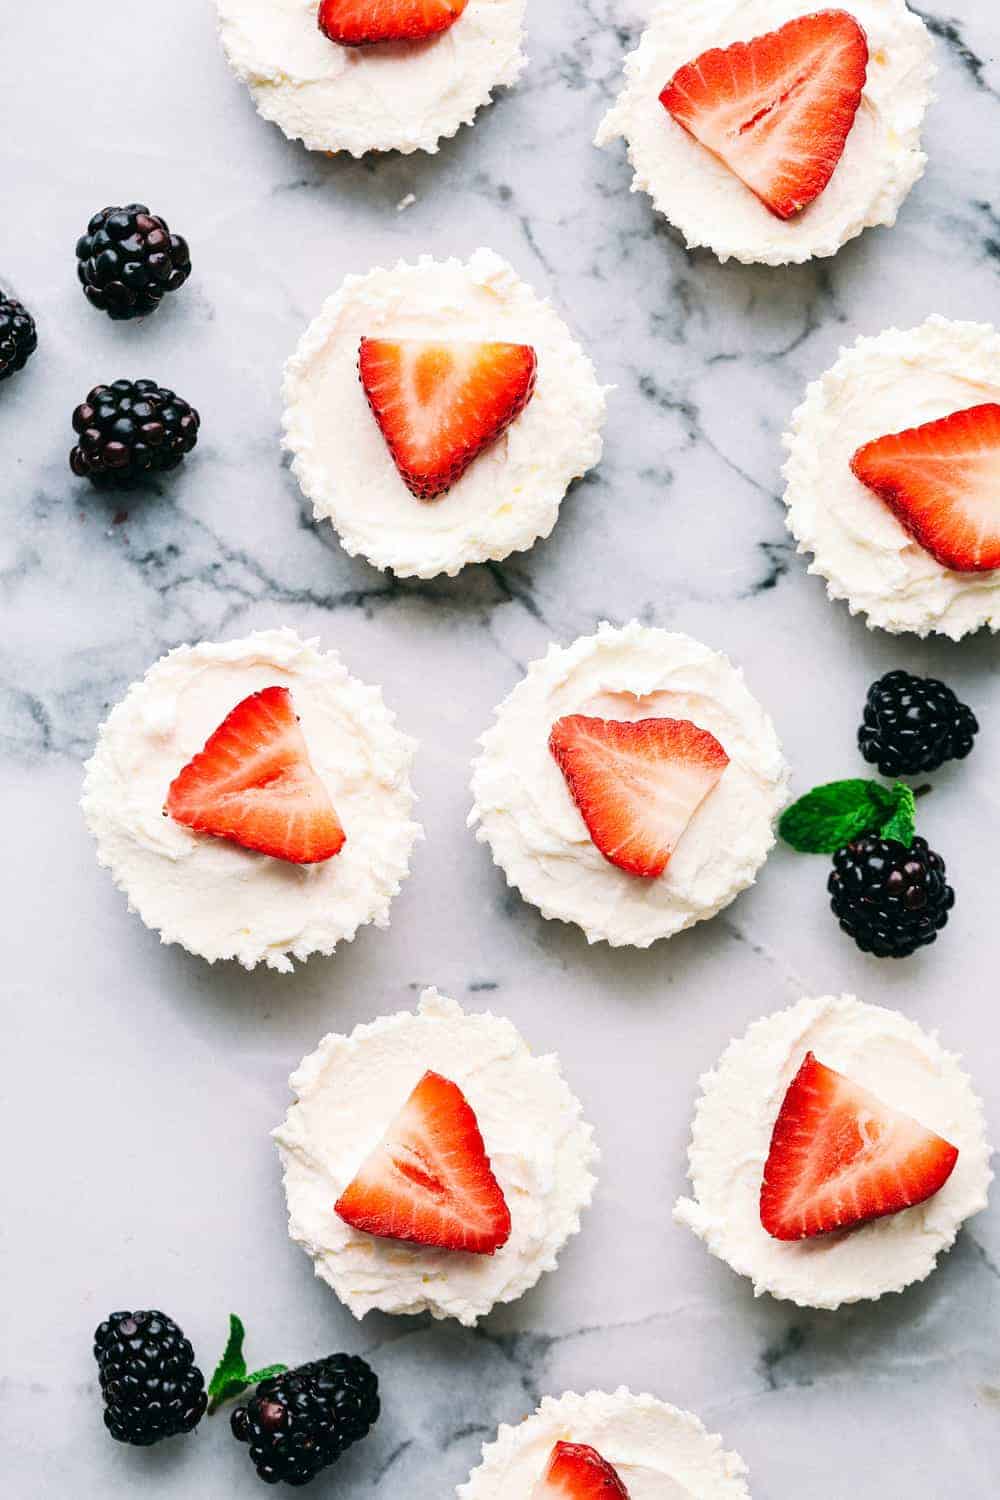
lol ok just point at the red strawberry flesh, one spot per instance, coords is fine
(439, 405)
(941, 481)
(576, 1471)
(360, 23)
(777, 110)
(429, 1180)
(254, 784)
(839, 1157)
(637, 785)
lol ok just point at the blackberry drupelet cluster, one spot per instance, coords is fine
(301, 1421)
(151, 1385)
(889, 898)
(18, 338)
(914, 724)
(128, 259)
(128, 429)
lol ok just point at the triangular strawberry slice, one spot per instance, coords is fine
(637, 785)
(941, 480)
(254, 784)
(439, 405)
(777, 110)
(576, 1471)
(841, 1157)
(356, 23)
(429, 1179)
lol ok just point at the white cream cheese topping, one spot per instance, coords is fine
(390, 96)
(703, 199)
(541, 1151)
(880, 386)
(208, 894)
(658, 1451)
(510, 495)
(900, 1064)
(536, 832)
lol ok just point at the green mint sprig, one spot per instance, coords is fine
(832, 815)
(231, 1377)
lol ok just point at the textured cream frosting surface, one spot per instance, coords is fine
(390, 96)
(879, 386)
(524, 810)
(699, 195)
(541, 1151)
(658, 1451)
(208, 894)
(900, 1064)
(510, 494)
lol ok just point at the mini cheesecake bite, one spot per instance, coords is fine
(836, 1151)
(253, 800)
(630, 784)
(607, 1445)
(437, 412)
(773, 131)
(372, 75)
(893, 478)
(431, 1163)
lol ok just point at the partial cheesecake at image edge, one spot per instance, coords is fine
(655, 1451)
(700, 74)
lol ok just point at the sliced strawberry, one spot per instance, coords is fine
(429, 1179)
(355, 23)
(637, 785)
(840, 1157)
(440, 405)
(578, 1472)
(254, 784)
(942, 482)
(777, 110)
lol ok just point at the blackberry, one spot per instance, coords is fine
(128, 259)
(151, 1385)
(131, 428)
(889, 898)
(18, 339)
(299, 1422)
(914, 724)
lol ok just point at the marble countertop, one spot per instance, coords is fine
(140, 1085)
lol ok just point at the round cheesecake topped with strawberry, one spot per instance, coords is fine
(438, 412)
(835, 1153)
(771, 131)
(253, 800)
(630, 784)
(893, 478)
(372, 75)
(432, 1163)
(607, 1445)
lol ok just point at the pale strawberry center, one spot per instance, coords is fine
(431, 371)
(416, 1169)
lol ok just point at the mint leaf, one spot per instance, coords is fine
(903, 823)
(231, 1377)
(832, 815)
(265, 1374)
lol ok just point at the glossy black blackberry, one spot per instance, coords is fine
(891, 900)
(914, 724)
(18, 338)
(151, 1385)
(128, 429)
(128, 259)
(299, 1422)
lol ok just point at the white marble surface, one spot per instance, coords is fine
(139, 1085)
